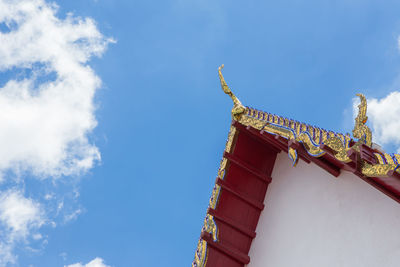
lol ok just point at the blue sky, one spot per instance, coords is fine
(159, 119)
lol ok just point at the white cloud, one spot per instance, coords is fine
(47, 113)
(19, 214)
(97, 262)
(73, 215)
(383, 116)
(44, 124)
(19, 218)
(6, 255)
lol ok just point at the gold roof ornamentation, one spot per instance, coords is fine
(361, 131)
(200, 257)
(209, 225)
(238, 108)
(316, 141)
(312, 137)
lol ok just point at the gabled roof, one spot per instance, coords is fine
(254, 139)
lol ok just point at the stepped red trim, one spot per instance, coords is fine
(247, 167)
(245, 183)
(273, 145)
(241, 197)
(224, 185)
(231, 223)
(228, 250)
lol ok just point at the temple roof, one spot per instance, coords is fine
(254, 139)
(318, 141)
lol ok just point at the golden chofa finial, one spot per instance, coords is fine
(361, 131)
(238, 109)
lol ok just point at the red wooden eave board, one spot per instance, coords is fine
(244, 186)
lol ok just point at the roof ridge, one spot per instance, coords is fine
(359, 156)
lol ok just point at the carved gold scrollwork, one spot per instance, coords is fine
(312, 148)
(200, 257)
(214, 196)
(238, 109)
(385, 164)
(210, 227)
(293, 156)
(361, 131)
(379, 157)
(336, 144)
(312, 137)
(377, 170)
(299, 132)
(229, 141)
(397, 157)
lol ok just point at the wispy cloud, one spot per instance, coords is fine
(20, 217)
(97, 262)
(47, 110)
(384, 117)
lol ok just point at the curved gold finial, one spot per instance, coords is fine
(361, 131)
(238, 108)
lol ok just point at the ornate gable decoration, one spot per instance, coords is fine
(316, 140)
(360, 156)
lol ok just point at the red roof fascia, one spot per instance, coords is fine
(245, 183)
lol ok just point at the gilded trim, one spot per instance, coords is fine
(209, 225)
(386, 163)
(200, 257)
(377, 170)
(238, 108)
(214, 196)
(310, 136)
(361, 131)
(229, 141)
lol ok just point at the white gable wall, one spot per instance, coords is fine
(314, 219)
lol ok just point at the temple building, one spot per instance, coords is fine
(291, 194)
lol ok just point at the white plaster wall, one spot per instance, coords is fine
(314, 219)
